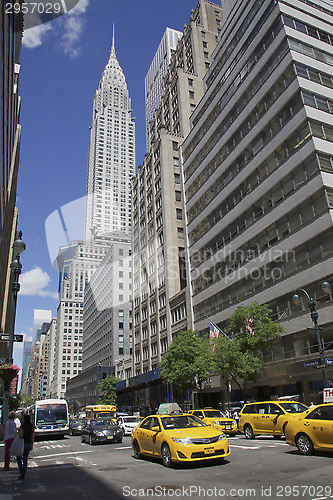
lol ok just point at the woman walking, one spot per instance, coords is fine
(27, 432)
(9, 437)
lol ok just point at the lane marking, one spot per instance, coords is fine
(246, 447)
(60, 454)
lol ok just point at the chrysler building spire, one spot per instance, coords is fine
(111, 160)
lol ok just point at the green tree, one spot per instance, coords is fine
(187, 361)
(106, 388)
(239, 359)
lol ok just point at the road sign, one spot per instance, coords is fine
(329, 361)
(5, 337)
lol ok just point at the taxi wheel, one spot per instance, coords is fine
(166, 455)
(136, 450)
(248, 431)
(304, 444)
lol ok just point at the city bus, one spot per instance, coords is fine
(50, 417)
(101, 411)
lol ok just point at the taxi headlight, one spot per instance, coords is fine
(217, 422)
(184, 441)
(234, 422)
(222, 437)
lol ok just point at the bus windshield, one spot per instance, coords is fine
(51, 414)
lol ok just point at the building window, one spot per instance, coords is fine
(190, 80)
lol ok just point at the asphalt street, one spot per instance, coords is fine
(261, 468)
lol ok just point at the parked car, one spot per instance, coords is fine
(97, 430)
(217, 419)
(312, 430)
(128, 423)
(178, 438)
(75, 426)
(268, 417)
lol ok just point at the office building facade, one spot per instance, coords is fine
(11, 29)
(258, 177)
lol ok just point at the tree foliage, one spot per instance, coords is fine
(106, 388)
(187, 361)
(239, 359)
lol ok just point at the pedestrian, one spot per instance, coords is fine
(27, 432)
(236, 417)
(10, 431)
(18, 421)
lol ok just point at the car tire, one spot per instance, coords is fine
(120, 440)
(136, 450)
(166, 455)
(91, 441)
(248, 431)
(304, 444)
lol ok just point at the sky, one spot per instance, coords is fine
(61, 65)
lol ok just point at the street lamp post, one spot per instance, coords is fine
(314, 316)
(16, 266)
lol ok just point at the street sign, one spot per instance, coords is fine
(312, 364)
(329, 361)
(5, 337)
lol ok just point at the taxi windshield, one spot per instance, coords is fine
(213, 414)
(181, 422)
(293, 407)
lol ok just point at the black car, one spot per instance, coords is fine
(76, 425)
(101, 430)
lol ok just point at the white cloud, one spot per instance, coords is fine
(34, 37)
(73, 29)
(33, 283)
(67, 27)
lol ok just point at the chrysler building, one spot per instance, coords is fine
(111, 156)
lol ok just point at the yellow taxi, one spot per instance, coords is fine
(216, 419)
(268, 417)
(178, 438)
(312, 430)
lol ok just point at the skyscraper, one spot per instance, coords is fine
(111, 157)
(157, 71)
(40, 316)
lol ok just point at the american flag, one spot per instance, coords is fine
(213, 331)
(248, 324)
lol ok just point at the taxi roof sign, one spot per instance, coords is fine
(169, 409)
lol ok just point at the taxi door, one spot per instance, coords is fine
(319, 426)
(275, 420)
(261, 418)
(143, 433)
(152, 444)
